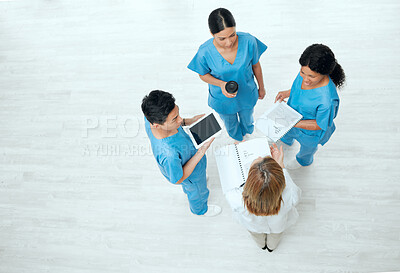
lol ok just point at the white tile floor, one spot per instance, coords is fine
(72, 201)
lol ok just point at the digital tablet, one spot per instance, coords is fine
(204, 129)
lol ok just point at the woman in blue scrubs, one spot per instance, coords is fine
(231, 56)
(313, 94)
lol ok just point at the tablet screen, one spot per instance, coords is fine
(205, 129)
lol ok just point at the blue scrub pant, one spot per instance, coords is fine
(197, 194)
(239, 124)
(308, 148)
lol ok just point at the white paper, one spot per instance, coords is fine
(228, 162)
(277, 121)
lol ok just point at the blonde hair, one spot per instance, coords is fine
(262, 193)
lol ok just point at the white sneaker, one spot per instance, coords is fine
(293, 164)
(213, 210)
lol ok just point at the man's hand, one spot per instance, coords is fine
(190, 121)
(203, 149)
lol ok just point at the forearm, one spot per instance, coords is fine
(309, 124)
(189, 167)
(211, 80)
(187, 121)
(286, 93)
(258, 74)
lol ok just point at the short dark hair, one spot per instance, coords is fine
(157, 105)
(320, 58)
(220, 19)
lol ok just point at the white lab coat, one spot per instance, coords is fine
(286, 217)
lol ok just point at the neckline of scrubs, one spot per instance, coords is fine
(165, 138)
(301, 83)
(237, 51)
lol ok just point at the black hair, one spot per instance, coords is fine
(320, 58)
(220, 19)
(157, 105)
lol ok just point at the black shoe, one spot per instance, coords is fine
(266, 247)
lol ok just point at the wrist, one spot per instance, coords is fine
(201, 152)
(183, 122)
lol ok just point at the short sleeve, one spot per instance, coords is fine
(172, 166)
(258, 49)
(199, 63)
(326, 114)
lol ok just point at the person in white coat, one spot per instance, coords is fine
(265, 205)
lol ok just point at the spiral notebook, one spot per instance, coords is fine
(234, 161)
(278, 120)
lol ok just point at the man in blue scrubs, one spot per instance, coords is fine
(179, 161)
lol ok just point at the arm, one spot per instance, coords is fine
(214, 81)
(282, 95)
(259, 77)
(295, 190)
(309, 124)
(277, 154)
(188, 168)
(235, 199)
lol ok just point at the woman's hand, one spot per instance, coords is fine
(216, 82)
(282, 95)
(277, 154)
(190, 121)
(261, 93)
(226, 94)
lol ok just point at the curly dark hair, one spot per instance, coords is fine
(320, 58)
(157, 105)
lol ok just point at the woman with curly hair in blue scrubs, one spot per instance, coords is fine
(231, 56)
(314, 95)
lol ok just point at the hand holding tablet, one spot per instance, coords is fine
(204, 129)
(190, 121)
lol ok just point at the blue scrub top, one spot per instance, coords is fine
(172, 152)
(321, 104)
(209, 60)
